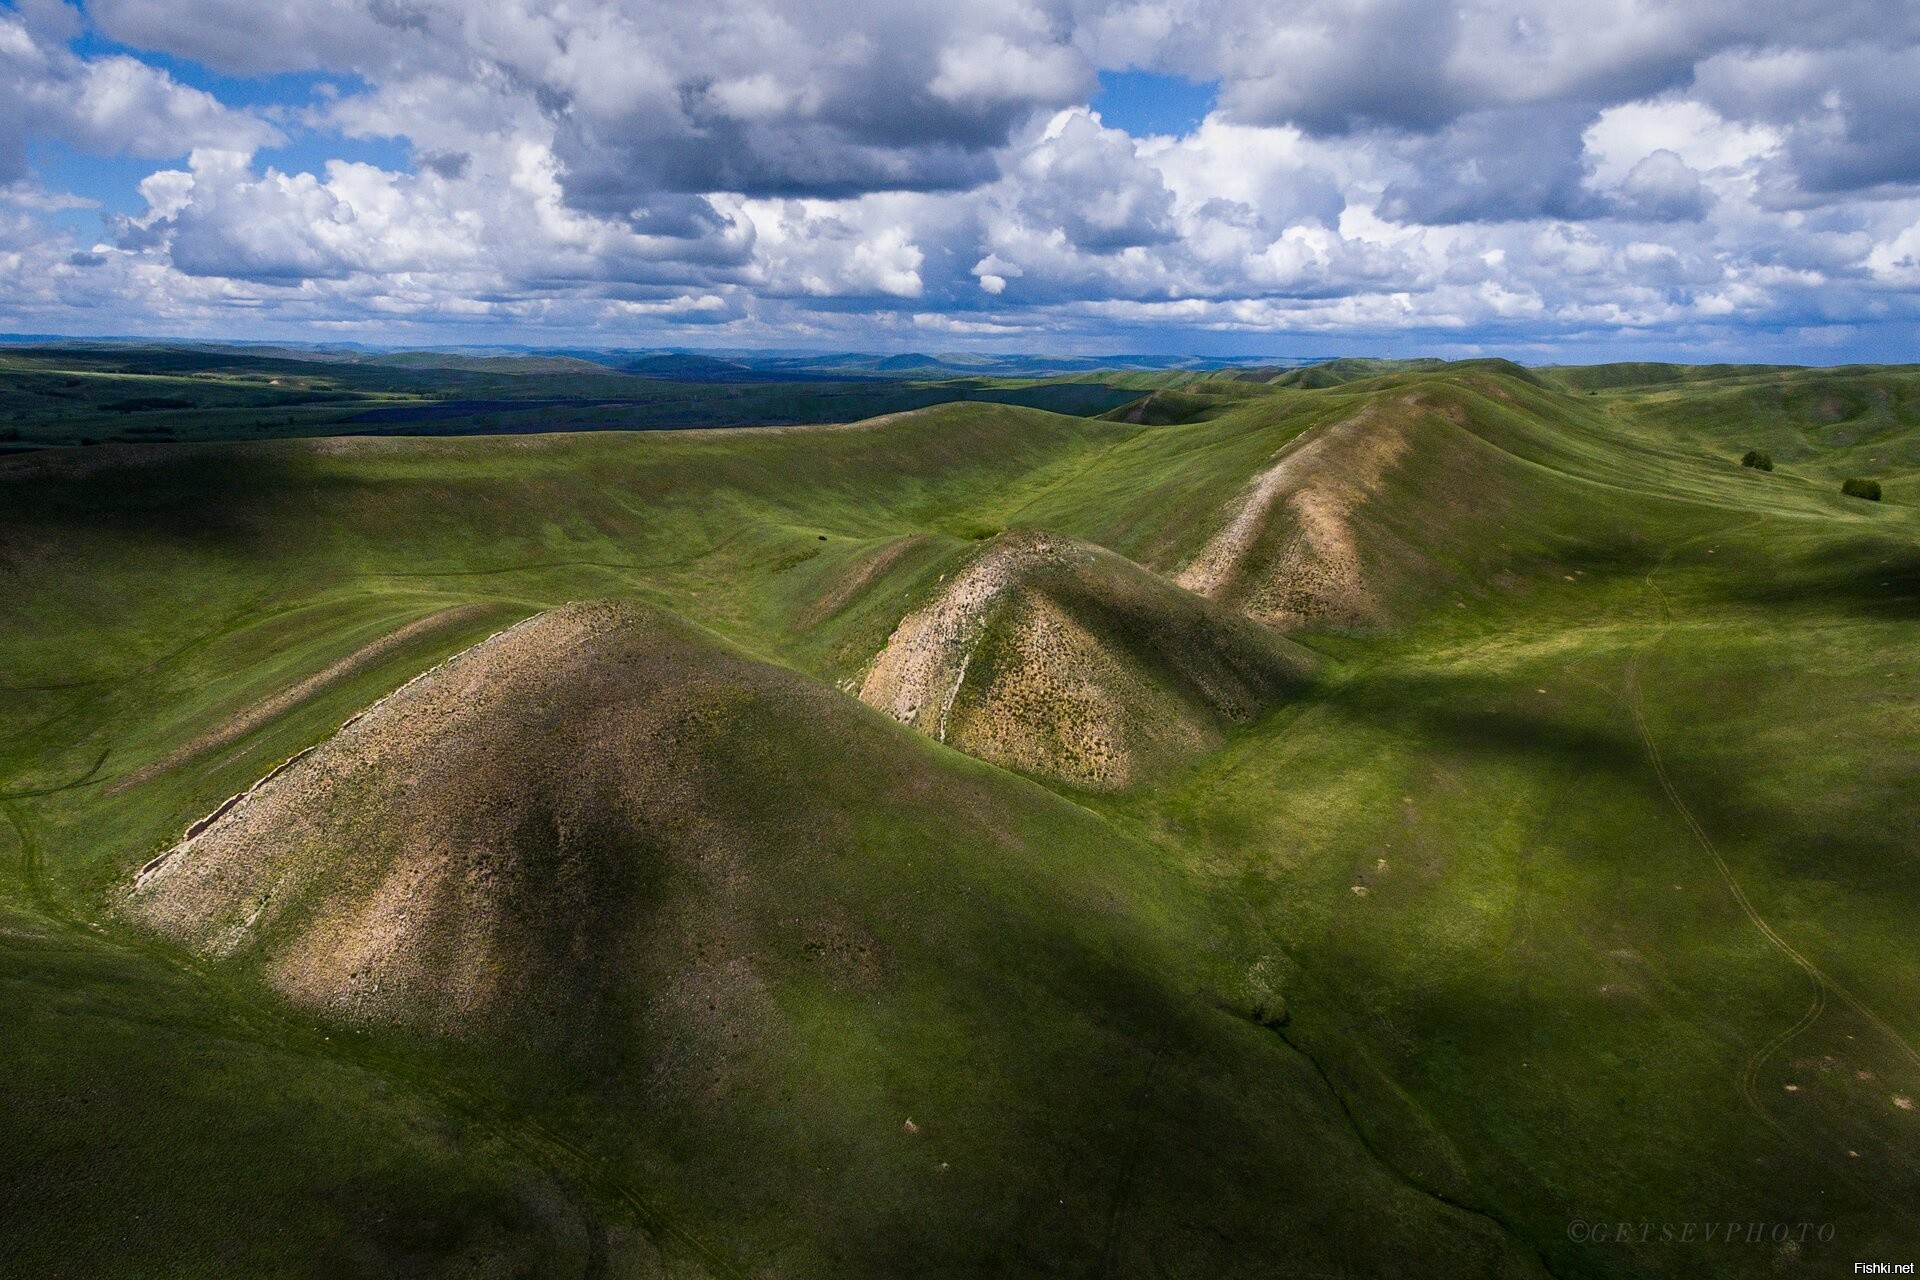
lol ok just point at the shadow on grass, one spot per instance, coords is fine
(1482, 717)
(1767, 833)
(201, 496)
(1877, 577)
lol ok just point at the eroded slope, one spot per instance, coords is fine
(1305, 503)
(1067, 661)
(856, 1002)
(440, 858)
(1361, 521)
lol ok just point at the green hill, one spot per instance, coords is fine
(1064, 660)
(1385, 825)
(834, 993)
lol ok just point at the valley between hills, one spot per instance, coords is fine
(1367, 819)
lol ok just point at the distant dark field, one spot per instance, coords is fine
(524, 417)
(70, 395)
(470, 408)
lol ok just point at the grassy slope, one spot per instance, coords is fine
(1523, 1012)
(806, 927)
(1543, 954)
(1062, 660)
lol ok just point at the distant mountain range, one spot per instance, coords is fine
(716, 365)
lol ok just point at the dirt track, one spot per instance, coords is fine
(1823, 983)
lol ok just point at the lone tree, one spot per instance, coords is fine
(1758, 460)
(1857, 488)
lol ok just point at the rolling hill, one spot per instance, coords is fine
(1391, 822)
(1061, 659)
(731, 907)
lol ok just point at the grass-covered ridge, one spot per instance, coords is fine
(1066, 661)
(1574, 886)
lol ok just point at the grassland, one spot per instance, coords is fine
(1566, 879)
(80, 394)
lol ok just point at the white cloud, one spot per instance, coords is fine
(1623, 136)
(109, 106)
(1661, 187)
(811, 168)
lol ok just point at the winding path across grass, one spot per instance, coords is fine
(1823, 982)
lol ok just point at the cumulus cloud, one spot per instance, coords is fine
(816, 170)
(1497, 166)
(748, 96)
(1092, 184)
(110, 106)
(1662, 187)
(836, 249)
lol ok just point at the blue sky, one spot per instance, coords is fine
(1148, 102)
(1709, 181)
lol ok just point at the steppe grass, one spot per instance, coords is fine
(1522, 992)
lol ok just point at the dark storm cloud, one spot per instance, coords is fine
(613, 169)
(1333, 66)
(1329, 79)
(1871, 135)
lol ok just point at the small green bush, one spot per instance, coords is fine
(1757, 460)
(1857, 488)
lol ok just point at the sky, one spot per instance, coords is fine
(1543, 179)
